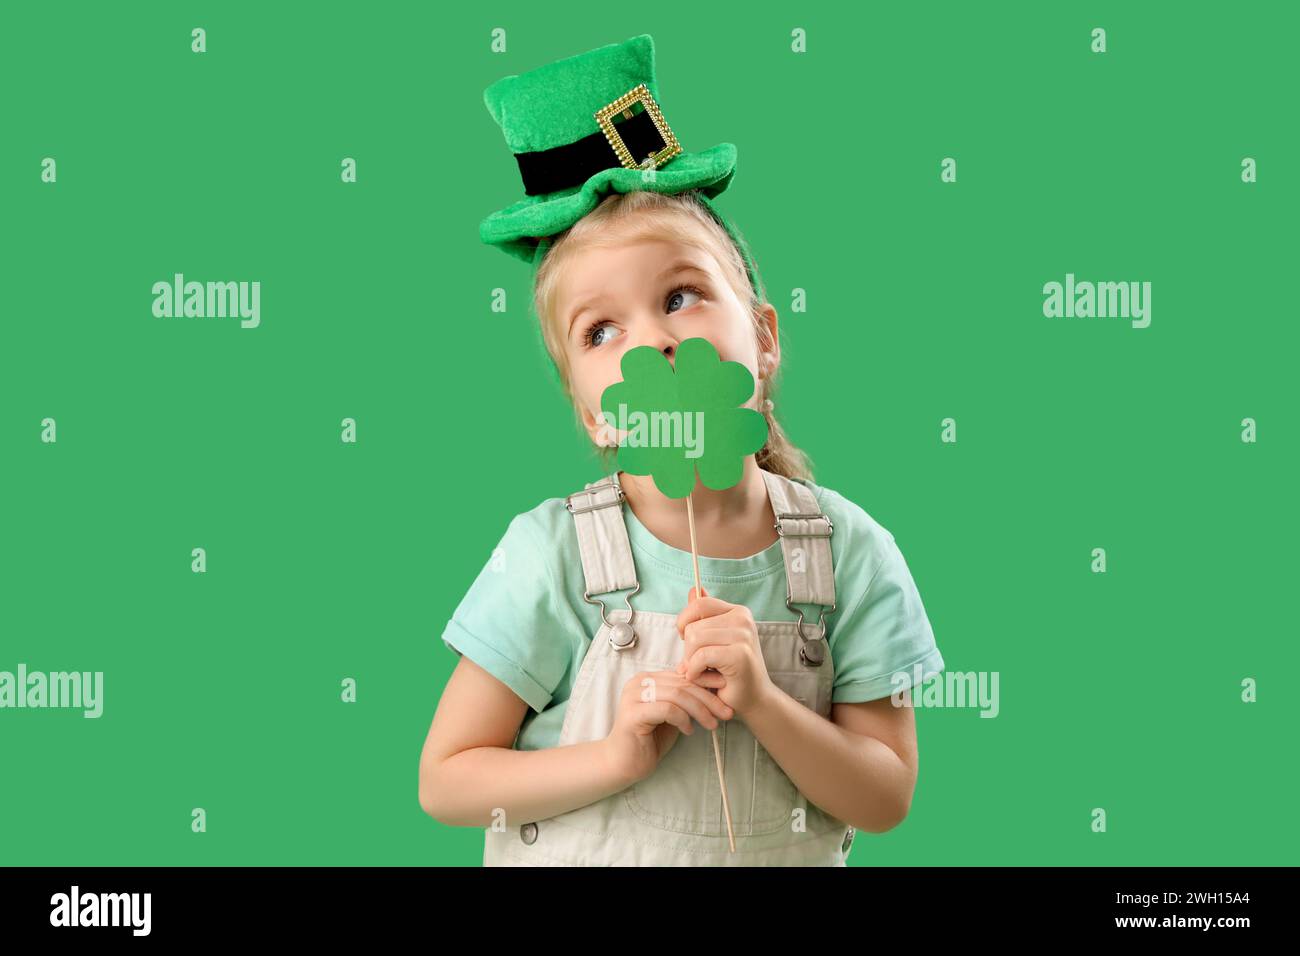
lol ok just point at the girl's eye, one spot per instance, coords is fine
(598, 334)
(684, 288)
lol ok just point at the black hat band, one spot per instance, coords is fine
(563, 167)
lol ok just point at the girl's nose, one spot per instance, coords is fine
(665, 342)
(657, 338)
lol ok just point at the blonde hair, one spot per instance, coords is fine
(626, 217)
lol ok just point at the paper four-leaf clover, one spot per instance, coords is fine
(671, 421)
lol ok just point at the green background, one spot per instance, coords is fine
(326, 560)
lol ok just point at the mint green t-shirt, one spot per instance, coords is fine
(524, 620)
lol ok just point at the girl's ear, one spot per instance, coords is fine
(596, 428)
(769, 343)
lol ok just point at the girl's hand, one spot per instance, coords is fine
(654, 708)
(724, 637)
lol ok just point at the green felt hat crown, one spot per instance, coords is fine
(588, 125)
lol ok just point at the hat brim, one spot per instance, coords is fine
(517, 228)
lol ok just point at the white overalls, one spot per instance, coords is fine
(674, 817)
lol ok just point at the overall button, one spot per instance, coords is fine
(528, 833)
(813, 652)
(621, 636)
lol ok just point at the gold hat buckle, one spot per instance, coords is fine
(605, 117)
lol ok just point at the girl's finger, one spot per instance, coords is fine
(701, 608)
(710, 679)
(710, 655)
(684, 697)
(700, 633)
(710, 700)
(668, 712)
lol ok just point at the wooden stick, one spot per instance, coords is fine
(717, 751)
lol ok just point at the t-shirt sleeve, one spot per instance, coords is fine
(507, 622)
(884, 632)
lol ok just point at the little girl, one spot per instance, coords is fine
(576, 727)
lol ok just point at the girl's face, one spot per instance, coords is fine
(654, 292)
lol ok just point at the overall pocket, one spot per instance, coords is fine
(682, 794)
(775, 797)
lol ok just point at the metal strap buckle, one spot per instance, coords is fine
(627, 599)
(622, 636)
(821, 619)
(803, 534)
(619, 498)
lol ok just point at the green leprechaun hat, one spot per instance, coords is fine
(588, 125)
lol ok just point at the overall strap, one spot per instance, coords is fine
(809, 575)
(602, 536)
